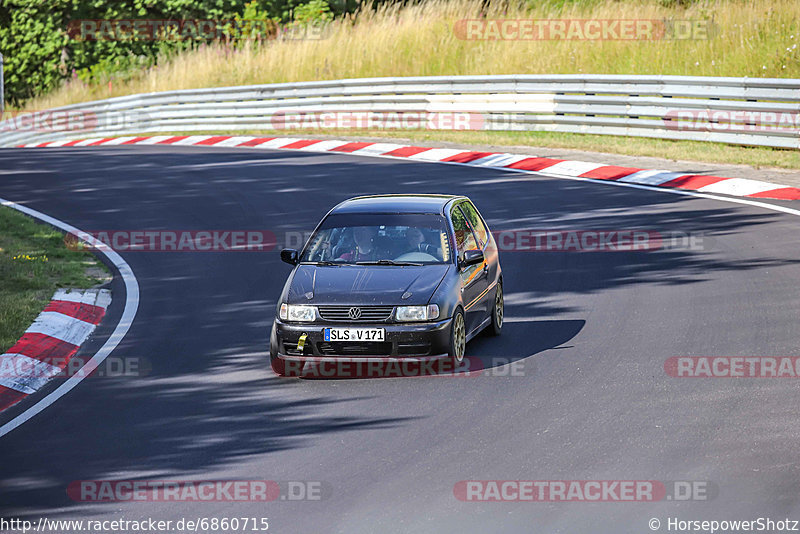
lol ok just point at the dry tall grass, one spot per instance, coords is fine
(755, 38)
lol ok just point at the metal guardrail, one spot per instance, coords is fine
(745, 111)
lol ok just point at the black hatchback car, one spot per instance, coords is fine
(390, 277)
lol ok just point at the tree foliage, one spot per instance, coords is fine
(39, 52)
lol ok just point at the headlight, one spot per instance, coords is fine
(417, 313)
(290, 312)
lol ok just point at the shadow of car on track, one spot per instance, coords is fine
(511, 354)
(210, 401)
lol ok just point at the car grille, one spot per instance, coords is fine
(291, 349)
(368, 313)
(413, 349)
(347, 348)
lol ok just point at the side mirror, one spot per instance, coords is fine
(472, 257)
(289, 255)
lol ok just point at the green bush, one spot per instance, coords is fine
(39, 54)
(314, 12)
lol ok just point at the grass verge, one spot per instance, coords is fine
(34, 262)
(751, 38)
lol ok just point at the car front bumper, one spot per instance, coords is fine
(421, 342)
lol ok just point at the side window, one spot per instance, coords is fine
(475, 222)
(464, 238)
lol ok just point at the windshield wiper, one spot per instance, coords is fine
(387, 262)
(323, 262)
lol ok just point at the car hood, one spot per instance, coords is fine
(365, 285)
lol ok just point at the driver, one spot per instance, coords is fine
(415, 242)
(364, 236)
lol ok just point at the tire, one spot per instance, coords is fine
(458, 339)
(278, 365)
(498, 311)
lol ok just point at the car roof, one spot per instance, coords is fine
(395, 204)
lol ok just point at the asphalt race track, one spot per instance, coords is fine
(590, 333)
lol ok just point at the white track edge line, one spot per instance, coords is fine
(684, 192)
(132, 286)
(128, 314)
(470, 164)
(657, 189)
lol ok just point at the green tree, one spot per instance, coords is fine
(40, 53)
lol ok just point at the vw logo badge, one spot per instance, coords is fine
(354, 313)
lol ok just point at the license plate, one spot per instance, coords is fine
(353, 334)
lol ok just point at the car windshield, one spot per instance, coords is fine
(379, 239)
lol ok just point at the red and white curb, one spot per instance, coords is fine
(129, 308)
(47, 347)
(740, 187)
